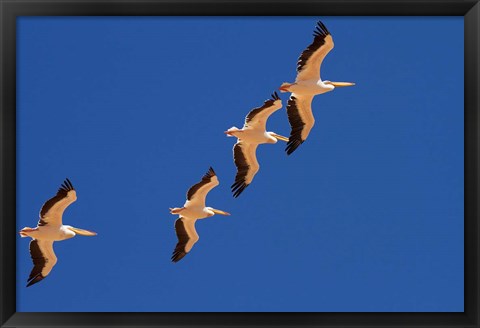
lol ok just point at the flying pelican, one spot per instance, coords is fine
(50, 229)
(193, 209)
(249, 137)
(308, 84)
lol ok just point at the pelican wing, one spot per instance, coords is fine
(198, 192)
(257, 117)
(244, 156)
(187, 237)
(43, 258)
(309, 62)
(300, 116)
(52, 210)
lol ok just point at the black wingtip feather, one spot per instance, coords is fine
(321, 30)
(69, 183)
(292, 146)
(210, 173)
(177, 256)
(66, 186)
(39, 277)
(239, 189)
(275, 96)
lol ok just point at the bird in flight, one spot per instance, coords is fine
(308, 84)
(193, 210)
(249, 137)
(50, 229)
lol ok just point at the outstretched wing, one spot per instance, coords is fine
(309, 62)
(52, 211)
(244, 156)
(300, 117)
(187, 237)
(198, 192)
(44, 259)
(257, 117)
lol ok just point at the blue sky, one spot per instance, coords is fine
(367, 215)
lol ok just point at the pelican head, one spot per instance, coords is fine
(176, 210)
(81, 232)
(285, 87)
(233, 132)
(212, 211)
(27, 232)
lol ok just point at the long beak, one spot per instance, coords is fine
(220, 212)
(83, 232)
(342, 84)
(279, 137)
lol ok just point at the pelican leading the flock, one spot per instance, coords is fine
(249, 137)
(308, 84)
(193, 210)
(50, 229)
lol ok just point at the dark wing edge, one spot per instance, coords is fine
(207, 177)
(319, 34)
(296, 125)
(61, 193)
(180, 249)
(242, 170)
(267, 103)
(39, 262)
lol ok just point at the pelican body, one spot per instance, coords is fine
(50, 233)
(252, 136)
(194, 209)
(311, 87)
(50, 229)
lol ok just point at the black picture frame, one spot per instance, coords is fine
(10, 9)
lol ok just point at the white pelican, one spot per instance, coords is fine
(308, 84)
(50, 229)
(193, 209)
(249, 137)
